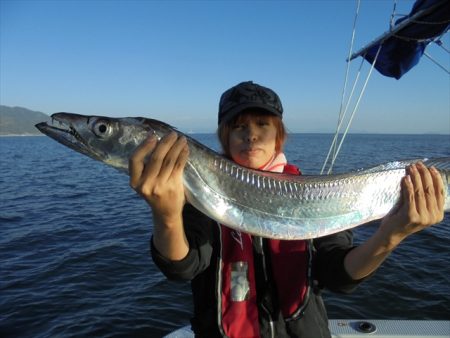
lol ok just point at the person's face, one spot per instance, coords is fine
(252, 140)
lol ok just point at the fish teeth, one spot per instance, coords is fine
(75, 134)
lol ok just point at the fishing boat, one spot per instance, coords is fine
(392, 54)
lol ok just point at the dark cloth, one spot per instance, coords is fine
(200, 267)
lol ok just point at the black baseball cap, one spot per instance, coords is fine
(247, 95)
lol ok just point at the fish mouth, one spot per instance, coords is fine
(63, 131)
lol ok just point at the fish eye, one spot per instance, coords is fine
(101, 128)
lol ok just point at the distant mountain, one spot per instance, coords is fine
(20, 121)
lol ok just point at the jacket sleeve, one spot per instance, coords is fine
(329, 270)
(199, 231)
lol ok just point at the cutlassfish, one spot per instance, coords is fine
(261, 203)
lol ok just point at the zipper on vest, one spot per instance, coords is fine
(260, 245)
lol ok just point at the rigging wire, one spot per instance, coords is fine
(334, 148)
(341, 112)
(341, 120)
(354, 110)
(393, 15)
(440, 44)
(436, 62)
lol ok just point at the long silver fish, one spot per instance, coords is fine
(261, 203)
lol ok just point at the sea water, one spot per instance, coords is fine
(74, 244)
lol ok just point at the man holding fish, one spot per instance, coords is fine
(249, 286)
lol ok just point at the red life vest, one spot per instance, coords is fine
(290, 265)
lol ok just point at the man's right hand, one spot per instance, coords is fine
(156, 173)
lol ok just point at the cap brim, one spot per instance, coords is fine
(232, 113)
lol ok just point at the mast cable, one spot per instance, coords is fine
(354, 109)
(341, 112)
(341, 120)
(436, 62)
(441, 44)
(393, 14)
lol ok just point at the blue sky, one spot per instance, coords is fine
(172, 60)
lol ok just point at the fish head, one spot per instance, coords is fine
(109, 140)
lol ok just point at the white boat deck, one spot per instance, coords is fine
(357, 328)
(345, 328)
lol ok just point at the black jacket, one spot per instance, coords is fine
(200, 266)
